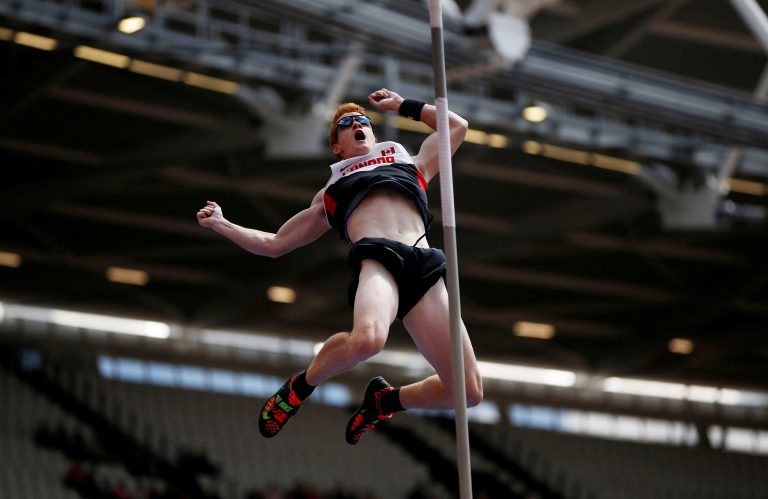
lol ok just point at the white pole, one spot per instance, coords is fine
(449, 230)
(755, 18)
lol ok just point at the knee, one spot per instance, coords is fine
(474, 389)
(367, 340)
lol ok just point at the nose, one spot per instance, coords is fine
(356, 127)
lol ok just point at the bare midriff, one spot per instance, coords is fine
(387, 212)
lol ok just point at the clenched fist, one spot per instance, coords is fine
(210, 214)
(385, 100)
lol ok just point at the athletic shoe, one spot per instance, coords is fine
(278, 409)
(369, 413)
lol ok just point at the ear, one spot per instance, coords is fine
(336, 148)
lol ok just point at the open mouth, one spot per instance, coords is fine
(359, 135)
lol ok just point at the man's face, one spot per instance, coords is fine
(354, 139)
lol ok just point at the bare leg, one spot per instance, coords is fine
(375, 311)
(429, 325)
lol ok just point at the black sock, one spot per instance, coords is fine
(301, 388)
(390, 402)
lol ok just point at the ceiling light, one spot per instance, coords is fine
(102, 56)
(127, 276)
(131, 24)
(476, 136)
(616, 164)
(10, 259)
(680, 345)
(258, 342)
(6, 34)
(532, 147)
(96, 322)
(747, 187)
(35, 41)
(535, 113)
(534, 330)
(645, 388)
(525, 374)
(566, 154)
(281, 294)
(498, 141)
(597, 160)
(409, 125)
(679, 391)
(155, 70)
(706, 394)
(210, 83)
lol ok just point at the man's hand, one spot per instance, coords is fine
(209, 215)
(385, 100)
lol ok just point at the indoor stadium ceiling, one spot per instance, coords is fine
(106, 167)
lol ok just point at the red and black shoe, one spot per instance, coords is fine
(369, 413)
(278, 409)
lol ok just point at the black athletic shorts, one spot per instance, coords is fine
(415, 269)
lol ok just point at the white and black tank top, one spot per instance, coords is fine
(388, 164)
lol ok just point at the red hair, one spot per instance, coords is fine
(349, 107)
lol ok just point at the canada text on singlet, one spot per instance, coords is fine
(388, 164)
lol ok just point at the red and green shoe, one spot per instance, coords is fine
(369, 414)
(279, 408)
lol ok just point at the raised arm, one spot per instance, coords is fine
(300, 230)
(427, 158)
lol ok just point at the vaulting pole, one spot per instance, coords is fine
(753, 15)
(449, 230)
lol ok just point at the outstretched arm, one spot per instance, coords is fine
(427, 158)
(300, 230)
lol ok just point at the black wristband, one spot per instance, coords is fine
(411, 108)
